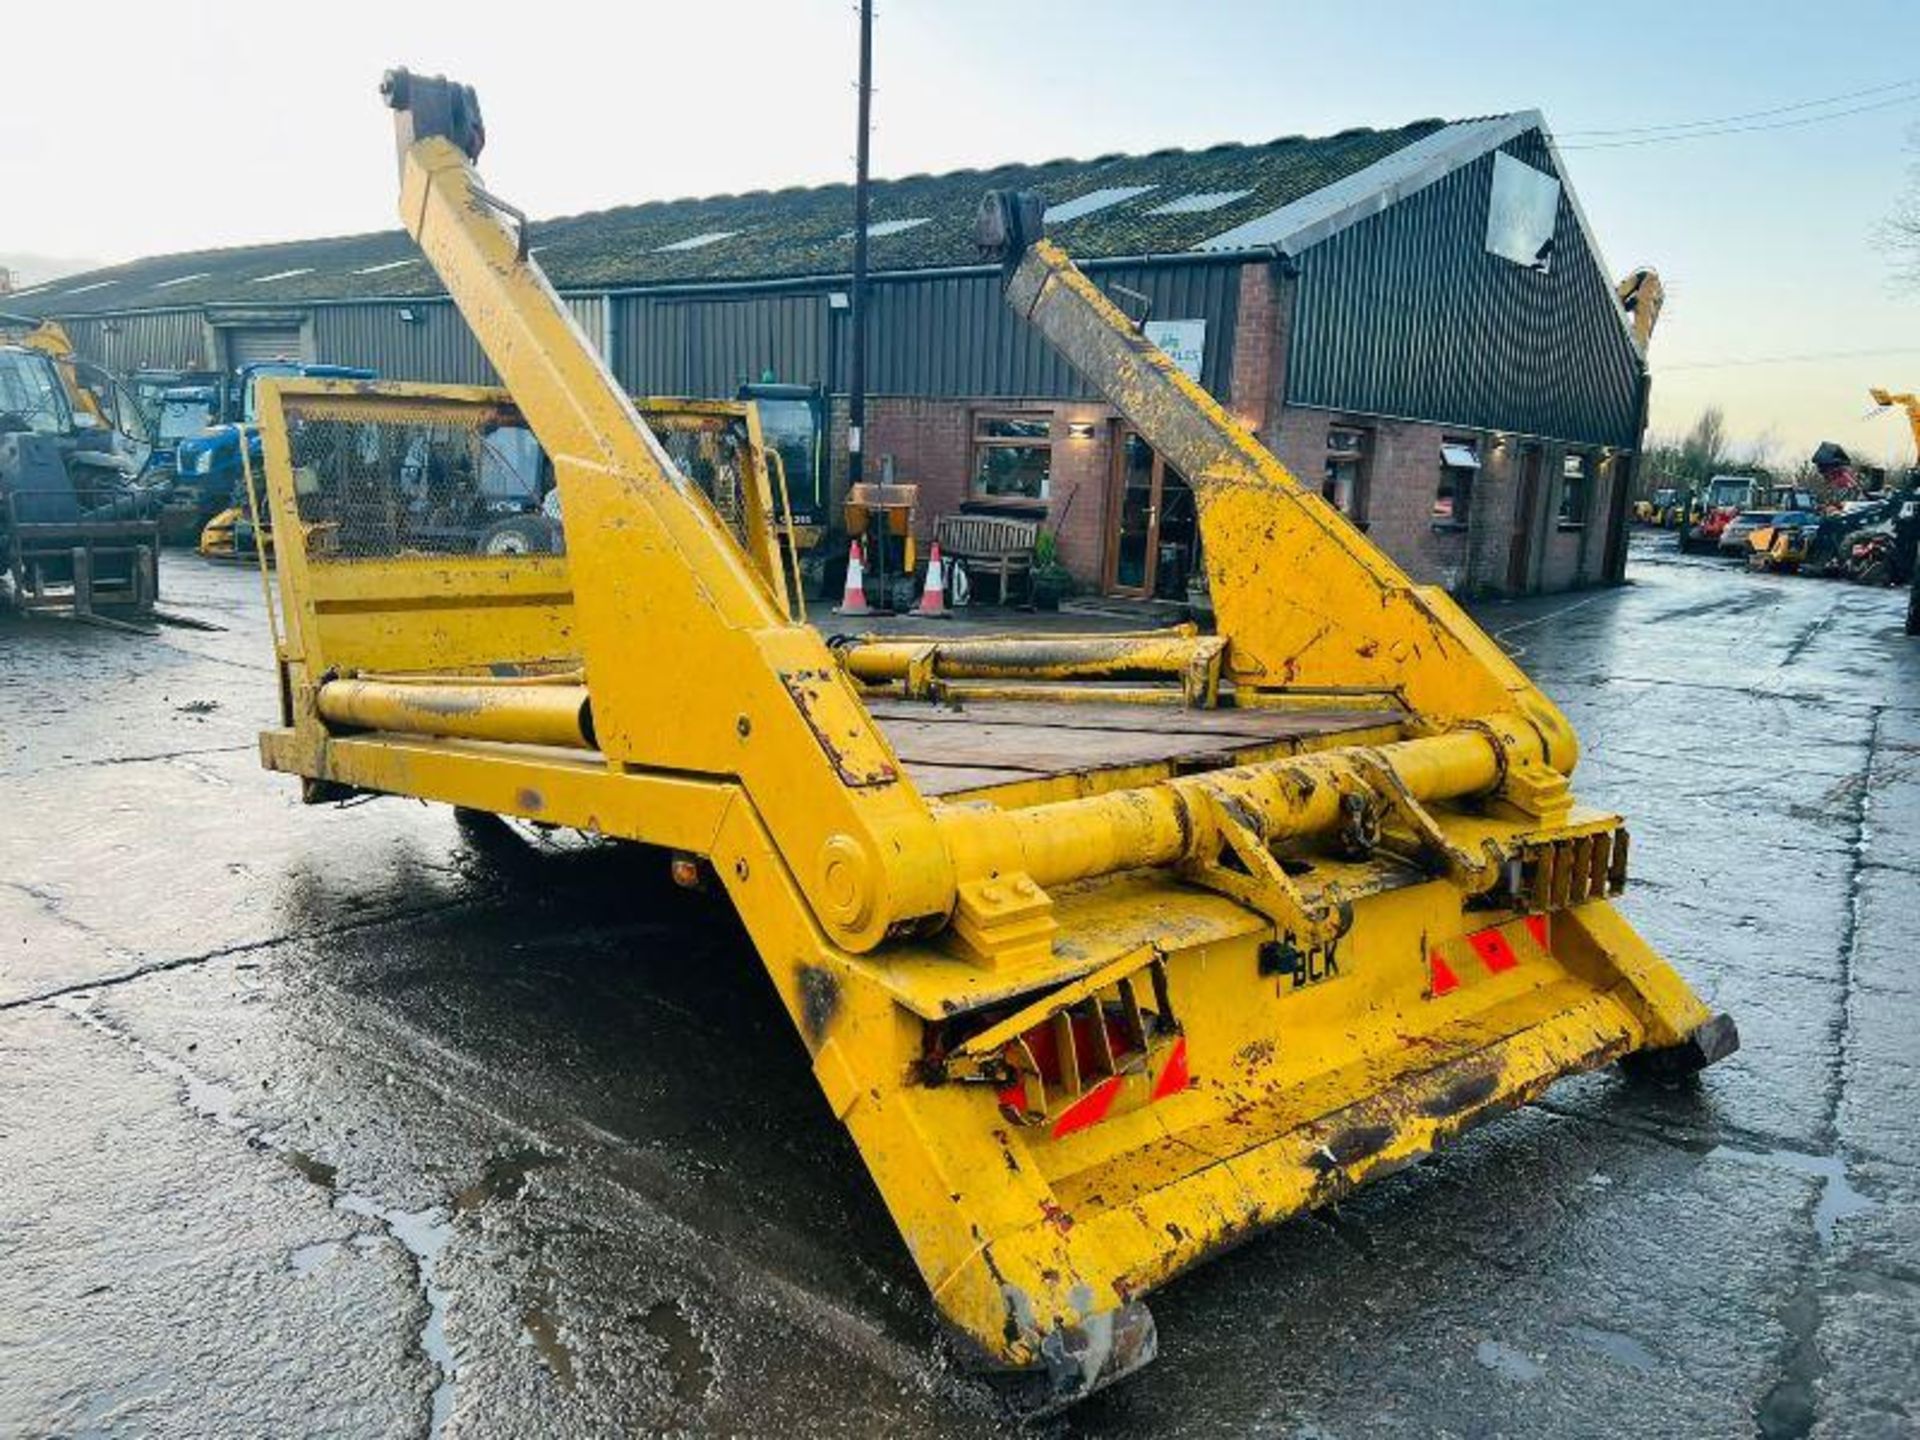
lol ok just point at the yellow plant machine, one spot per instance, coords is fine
(1108, 950)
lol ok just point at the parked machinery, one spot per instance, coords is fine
(211, 466)
(1126, 947)
(78, 526)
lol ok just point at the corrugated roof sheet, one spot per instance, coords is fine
(781, 233)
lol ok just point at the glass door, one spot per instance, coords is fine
(1133, 521)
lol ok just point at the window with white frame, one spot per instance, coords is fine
(1012, 456)
(1453, 497)
(1344, 484)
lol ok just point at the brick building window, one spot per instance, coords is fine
(1345, 484)
(1012, 456)
(1576, 489)
(1453, 498)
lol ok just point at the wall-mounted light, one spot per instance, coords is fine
(1079, 429)
(409, 315)
(839, 300)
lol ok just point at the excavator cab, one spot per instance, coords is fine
(1108, 950)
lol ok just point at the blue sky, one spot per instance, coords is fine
(1766, 240)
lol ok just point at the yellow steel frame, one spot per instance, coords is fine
(1354, 946)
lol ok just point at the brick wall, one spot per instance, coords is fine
(931, 442)
(1403, 474)
(1258, 335)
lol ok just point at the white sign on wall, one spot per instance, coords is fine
(1185, 342)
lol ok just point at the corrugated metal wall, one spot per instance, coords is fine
(958, 337)
(164, 339)
(709, 345)
(435, 345)
(1407, 314)
(937, 337)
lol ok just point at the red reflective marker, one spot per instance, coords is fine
(1537, 927)
(1444, 980)
(1089, 1109)
(1494, 951)
(1173, 1079)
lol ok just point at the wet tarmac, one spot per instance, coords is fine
(363, 1121)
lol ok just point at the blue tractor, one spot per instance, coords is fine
(207, 465)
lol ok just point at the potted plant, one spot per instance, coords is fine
(1052, 581)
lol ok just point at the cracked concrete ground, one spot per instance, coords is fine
(358, 1121)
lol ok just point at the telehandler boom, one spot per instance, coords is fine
(1108, 950)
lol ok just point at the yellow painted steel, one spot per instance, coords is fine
(1192, 661)
(50, 338)
(1086, 1026)
(462, 710)
(1908, 402)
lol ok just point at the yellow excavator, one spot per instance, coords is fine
(1108, 950)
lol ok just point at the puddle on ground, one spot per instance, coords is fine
(1503, 1359)
(1616, 1346)
(689, 1368)
(503, 1177)
(318, 1171)
(309, 1258)
(1838, 1199)
(206, 1098)
(424, 1233)
(544, 1331)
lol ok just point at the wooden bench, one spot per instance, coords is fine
(990, 544)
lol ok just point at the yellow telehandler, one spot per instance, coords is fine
(1109, 950)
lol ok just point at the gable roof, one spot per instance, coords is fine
(1283, 196)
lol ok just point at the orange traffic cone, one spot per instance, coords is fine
(933, 599)
(854, 600)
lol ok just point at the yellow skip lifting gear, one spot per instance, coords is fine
(1108, 950)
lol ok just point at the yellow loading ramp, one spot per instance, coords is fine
(1107, 950)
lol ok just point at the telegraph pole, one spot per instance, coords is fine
(857, 364)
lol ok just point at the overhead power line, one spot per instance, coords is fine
(1810, 356)
(1746, 129)
(1844, 96)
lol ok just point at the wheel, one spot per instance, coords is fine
(522, 535)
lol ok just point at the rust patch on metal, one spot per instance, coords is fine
(1352, 1145)
(1256, 1052)
(836, 723)
(1056, 1217)
(530, 799)
(1462, 1094)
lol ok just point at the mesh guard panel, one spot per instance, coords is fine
(384, 481)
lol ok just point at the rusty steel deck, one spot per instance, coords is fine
(949, 750)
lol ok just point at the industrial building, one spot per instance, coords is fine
(1416, 320)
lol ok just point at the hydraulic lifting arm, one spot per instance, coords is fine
(656, 582)
(1287, 572)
